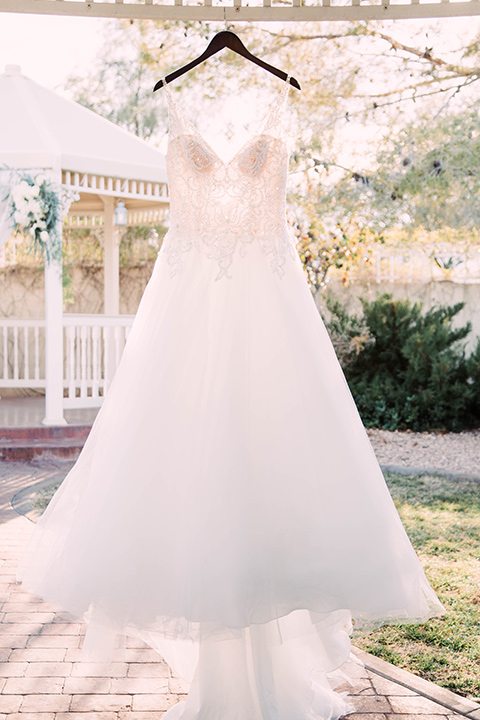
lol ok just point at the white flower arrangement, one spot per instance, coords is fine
(37, 206)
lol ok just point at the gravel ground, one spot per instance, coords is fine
(458, 452)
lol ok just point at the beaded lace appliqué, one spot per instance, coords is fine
(222, 207)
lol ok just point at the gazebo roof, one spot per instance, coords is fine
(38, 128)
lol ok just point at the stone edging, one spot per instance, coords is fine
(21, 502)
(408, 470)
(441, 696)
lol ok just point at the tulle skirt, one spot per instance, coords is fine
(227, 506)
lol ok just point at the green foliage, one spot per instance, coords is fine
(136, 246)
(425, 175)
(411, 370)
(349, 333)
(120, 85)
(322, 248)
(42, 498)
(430, 172)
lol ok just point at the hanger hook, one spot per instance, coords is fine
(225, 17)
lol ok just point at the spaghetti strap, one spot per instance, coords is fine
(272, 124)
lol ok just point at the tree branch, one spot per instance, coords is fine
(457, 70)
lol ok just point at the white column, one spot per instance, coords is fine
(54, 342)
(111, 260)
(53, 270)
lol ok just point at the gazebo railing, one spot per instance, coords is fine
(22, 351)
(92, 219)
(93, 346)
(107, 185)
(251, 10)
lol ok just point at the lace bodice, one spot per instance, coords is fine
(222, 207)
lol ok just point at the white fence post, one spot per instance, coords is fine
(54, 343)
(94, 347)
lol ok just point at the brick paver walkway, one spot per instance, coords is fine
(42, 679)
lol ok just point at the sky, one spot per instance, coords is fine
(49, 48)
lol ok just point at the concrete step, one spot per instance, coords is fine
(44, 432)
(42, 443)
(21, 451)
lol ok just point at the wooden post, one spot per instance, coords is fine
(111, 284)
(111, 260)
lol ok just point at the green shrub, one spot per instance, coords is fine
(407, 368)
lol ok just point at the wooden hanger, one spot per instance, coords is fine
(226, 39)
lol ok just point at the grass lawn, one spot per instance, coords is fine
(442, 519)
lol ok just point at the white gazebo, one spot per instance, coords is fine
(41, 131)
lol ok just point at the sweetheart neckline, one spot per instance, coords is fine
(259, 133)
(227, 163)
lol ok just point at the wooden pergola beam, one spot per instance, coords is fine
(292, 10)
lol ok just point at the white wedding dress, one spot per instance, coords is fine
(227, 506)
